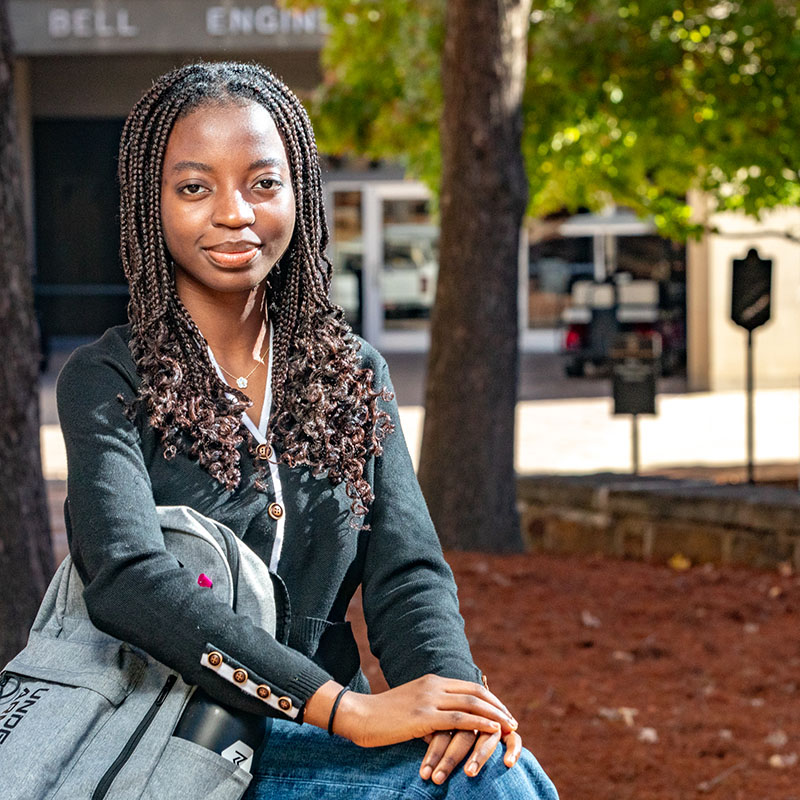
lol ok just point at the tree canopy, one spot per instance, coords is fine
(629, 102)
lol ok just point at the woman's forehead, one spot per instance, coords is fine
(226, 130)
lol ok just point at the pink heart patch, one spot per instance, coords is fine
(204, 580)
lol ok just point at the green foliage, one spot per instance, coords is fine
(381, 96)
(634, 102)
(640, 102)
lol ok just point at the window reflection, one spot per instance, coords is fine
(410, 263)
(347, 255)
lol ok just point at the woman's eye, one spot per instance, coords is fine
(191, 188)
(268, 183)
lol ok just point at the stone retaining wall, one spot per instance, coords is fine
(643, 518)
(653, 519)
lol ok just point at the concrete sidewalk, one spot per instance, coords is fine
(580, 435)
(704, 429)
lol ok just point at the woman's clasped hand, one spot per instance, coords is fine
(457, 719)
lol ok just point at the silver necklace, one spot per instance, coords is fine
(241, 381)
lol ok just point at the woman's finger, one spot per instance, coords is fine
(456, 686)
(481, 752)
(457, 750)
(478, 706)
(464, 721)
(513, 743)
(437, 744)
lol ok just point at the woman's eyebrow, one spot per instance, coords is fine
(269, 162)
(198, 165)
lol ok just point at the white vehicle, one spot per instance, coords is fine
(410, 268)
(407, 276)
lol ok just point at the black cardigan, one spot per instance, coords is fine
(137, 592)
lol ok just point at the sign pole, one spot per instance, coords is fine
(635, 442)
(750, 412)
(751, 300)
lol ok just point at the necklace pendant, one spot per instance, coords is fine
(241, 383)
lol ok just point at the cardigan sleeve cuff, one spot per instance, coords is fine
(306, 682)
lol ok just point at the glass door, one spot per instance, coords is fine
(384, 250)
(408, 244)
(410, 264)
(347, 254)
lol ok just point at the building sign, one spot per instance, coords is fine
(87, 23)
(261, 20)
(49, 27)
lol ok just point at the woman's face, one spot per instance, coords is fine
(227, 204)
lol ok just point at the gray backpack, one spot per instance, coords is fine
(85, 716)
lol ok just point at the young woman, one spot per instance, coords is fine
(239, 390)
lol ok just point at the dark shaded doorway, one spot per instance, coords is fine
(79, 284)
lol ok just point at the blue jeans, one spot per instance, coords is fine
(301, 761)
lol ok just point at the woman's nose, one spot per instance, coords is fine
(233, 211)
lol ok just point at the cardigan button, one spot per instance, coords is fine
(275, 510)
(215, 659)
(285, 704)
(263, 691)
(264, 451)
(240, 676)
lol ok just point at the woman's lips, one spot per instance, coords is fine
(237, 259)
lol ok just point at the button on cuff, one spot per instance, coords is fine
(230, 670)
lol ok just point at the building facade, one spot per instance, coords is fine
(83, 63)
(716, 346)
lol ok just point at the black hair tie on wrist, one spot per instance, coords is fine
(333, 709)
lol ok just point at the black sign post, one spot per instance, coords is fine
(634, 360)
(750, 308)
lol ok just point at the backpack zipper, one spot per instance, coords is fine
(119, 762)
(7, 677)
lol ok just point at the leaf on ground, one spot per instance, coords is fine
(679, 562)
(628, 715)
(648, 735)
(777, 739)
(589, 620)
(623, 655)
(779, 761)
(623, 713)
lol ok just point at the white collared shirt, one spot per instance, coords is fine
(260, 435)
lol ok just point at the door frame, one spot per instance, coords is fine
(373, 194)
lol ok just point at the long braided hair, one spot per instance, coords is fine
(325, 413)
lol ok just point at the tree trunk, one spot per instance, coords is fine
(26, 553)
(467, 462)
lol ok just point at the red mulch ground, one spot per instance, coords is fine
(632, 680)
